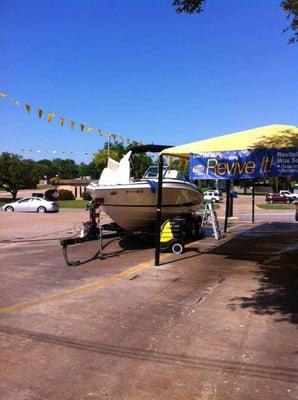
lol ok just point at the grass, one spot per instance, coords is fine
(72, 203)
(5, 201)
(277, 206)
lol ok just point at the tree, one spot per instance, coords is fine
(115, 151)
(44, 168)
(65, 169)
(289, 6)
(140, 161)
(16, 173)
(88, 170)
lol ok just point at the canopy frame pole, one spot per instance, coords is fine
(158, 210)
(228, 198)
(253, 203)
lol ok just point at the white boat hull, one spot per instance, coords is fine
(133, 206)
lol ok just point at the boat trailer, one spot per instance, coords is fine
(175, 233)
(92, 230)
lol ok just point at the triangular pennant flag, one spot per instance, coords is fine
(38, 151)
(86, 154)
(54, 151)
(15, 101)
(61, 120)
(72, 124)
(28, 108)
(2, 94)
(39, 112)
(51, 116)
(99, 131)
(89, 129)
(82, 127)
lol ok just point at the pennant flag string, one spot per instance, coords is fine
(28, 108)
(23, 150)
(61, 120)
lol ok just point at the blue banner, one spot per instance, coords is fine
(248, 164)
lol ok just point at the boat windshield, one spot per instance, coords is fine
(152, 172)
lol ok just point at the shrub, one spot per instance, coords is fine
(86, 196)
(66, 195)
(63, 195)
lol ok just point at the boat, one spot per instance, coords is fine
(131, 202)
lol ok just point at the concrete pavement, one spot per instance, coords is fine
(217, 322)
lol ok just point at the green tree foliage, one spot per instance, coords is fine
(289, 6)
(188, 6)
(89, 170)
(180, 164)
(65, 169)
(16, 173)
(140, 162)
(44, 168)
(291, 9)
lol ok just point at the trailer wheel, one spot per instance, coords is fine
(177, 248)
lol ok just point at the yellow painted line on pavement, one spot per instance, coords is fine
(81, 289)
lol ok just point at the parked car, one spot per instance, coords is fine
(277, 198)
(213, 196)
(287, 193)
(33, 204)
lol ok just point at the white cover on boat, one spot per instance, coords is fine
(116, 172)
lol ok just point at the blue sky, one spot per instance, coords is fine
(137, 69)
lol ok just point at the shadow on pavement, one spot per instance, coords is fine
(274, 246)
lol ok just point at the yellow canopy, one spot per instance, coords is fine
(264, 137)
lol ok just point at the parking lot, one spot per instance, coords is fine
(217, 322)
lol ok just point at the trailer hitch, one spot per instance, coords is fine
(91, 230)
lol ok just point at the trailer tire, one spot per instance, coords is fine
(177, 248)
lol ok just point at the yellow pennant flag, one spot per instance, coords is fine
(89, 129)
(82, 127)
(72, 124)
(51, 116)
(2, 94)
(99, 131)
(61, 120)
(28, 108)
(39, 112)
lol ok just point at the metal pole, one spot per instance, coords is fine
(253, 203)
(228, 187)
(158, 210)
(109, 146)
(231, 198)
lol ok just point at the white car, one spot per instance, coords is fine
(287, 193)
(213, 196)
(33, 204)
